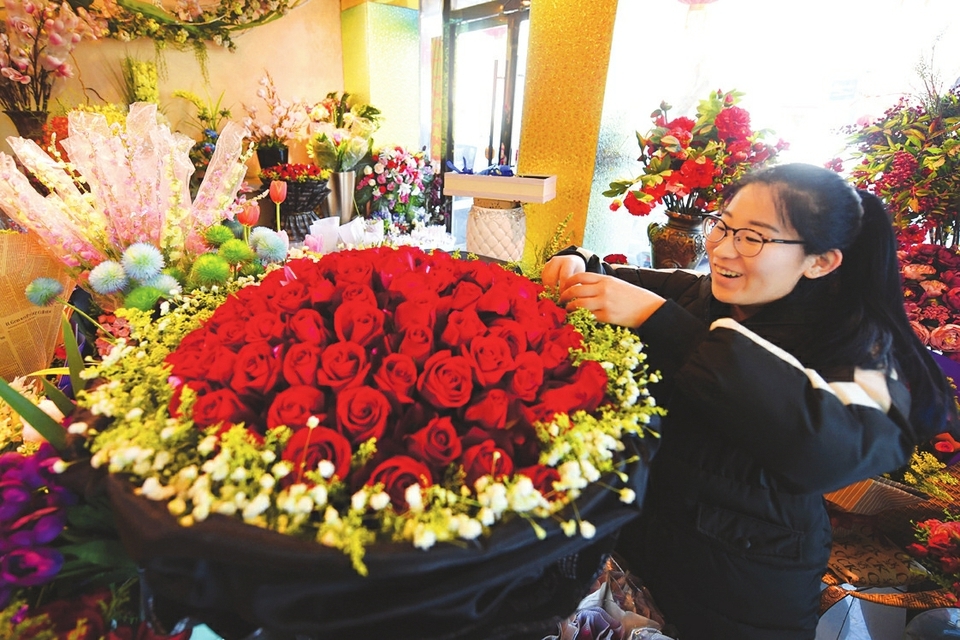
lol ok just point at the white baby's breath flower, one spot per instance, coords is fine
(326, 469)
(627, 495)
(569, 527)
(358, 500)
(414, 497)
(281, 470)
(587, 530)
(256, 507)
(379, 501)
(207, 445)
(239, 474)
(469, 528)
(486, 516)
(330, 516)
(424, 538)
(226, 508)
(319, 495)
(59, 466)
(267, 481)
(268, 456)
(177, 506)
(79, 427)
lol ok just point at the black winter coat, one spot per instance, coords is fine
(734, 537)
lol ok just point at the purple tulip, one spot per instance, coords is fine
(30, 567)
(38, 527)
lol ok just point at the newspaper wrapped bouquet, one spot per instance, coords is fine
(375, 437)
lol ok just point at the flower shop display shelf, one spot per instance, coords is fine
(246, 582)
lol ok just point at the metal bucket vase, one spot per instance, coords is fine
(343, 191)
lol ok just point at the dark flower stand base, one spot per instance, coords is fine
(299, 210)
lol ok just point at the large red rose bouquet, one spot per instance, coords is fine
(931, 293)
(688, 161)
(938, 550)
(382, 394)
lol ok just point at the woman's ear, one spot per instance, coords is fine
(823, 264)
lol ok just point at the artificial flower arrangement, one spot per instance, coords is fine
(341, 133)
(396, 186)
(285, 120)
(688, 161)
(910, 158)
(35, 46)
(120, 214)
(931, 294)
(294, 172)
(938, 549)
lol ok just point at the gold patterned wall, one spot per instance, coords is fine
(566, 75)
(381, 66)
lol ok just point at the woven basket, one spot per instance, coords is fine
(304, 196)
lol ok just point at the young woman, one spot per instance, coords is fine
(790, 371)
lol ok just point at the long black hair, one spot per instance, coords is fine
(864, 322)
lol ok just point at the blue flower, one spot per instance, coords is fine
(165, 283)
(108, 277)
(142, 261)
(43, 291)
(268, 244)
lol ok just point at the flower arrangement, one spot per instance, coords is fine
(120, 214)
(294, 172)
(938, 550)
(341, 133)
(209, 121)
(38, 38)
(687, 162)
(378, 394)
(140, 80)
(910, 158)
(285, 119)
(396, 186)
(931, 294)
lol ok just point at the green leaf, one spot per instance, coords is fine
(100, 553)
(74, 359)
(58, 397)
(44, 424)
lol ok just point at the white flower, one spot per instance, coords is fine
(469, 529)
(627, 495)
(359, 500)
(319, 495)
(256, 506)
(326, 469)
(379, 501)
(207, 445)
(569, 527)
(414, 497)
(587, 530)
(424, 538)
(79, 427)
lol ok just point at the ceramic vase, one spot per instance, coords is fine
(678, 243)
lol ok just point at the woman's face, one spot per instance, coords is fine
(749, 283)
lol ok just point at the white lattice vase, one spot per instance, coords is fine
(496, 232)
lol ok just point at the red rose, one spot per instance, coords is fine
(952, 298)
(307, 448)
(291, 297)
(231, 334)
(351, 268)
(491, 359)
(294, 406)
(486, 459)
(586, 391)
(437, 444)
(446, 381)
(266, 326)
(490, 410)
(307, 325)
(465, 296)
(421, 309)
(220, 361)
(513, 332)
(257, 369)
(359, 293)
(189, 360)
(358, 322)
(527, 377)
(417, 343)
(396, 377)
(362, 414)
(301, 362)
(542, 476)
(342, 365)
(220, 406)
(462, 327)
(557, 345)
(398, 473)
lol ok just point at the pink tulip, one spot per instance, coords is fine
(250, 214)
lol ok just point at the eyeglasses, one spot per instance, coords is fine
(747, 242)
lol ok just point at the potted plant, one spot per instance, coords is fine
(285, 120)
(686, 164)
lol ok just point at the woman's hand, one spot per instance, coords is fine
(611, 300)
(559, 269)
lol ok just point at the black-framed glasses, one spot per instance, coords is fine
(747, 242)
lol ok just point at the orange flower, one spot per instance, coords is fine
(278, 191)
